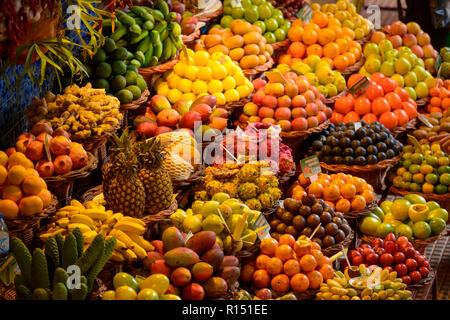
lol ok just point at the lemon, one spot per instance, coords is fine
(201, 58)
(189, 97)
(185, 85)
(191, 73)
(239, 78)
(174, 95)
(173, 80)
(221, 100)
(219, 72)
(204, 73)
(243, 91)
(163, 89)
(231, 68)
(109, 295)
(180, 69)
(200, 86)
(217, 55)
(228, 83)
(215, 86)
(231, 95)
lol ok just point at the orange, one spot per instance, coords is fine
(362, 105)
(291, 267)
(297, 23)
(445, 103)
(343, 205)
(318, 255)
(435, 101)
(309, 37)
(348, 32)
(326, 36)
(320, 18)
(303, 181)
(314, 49)
(327, 271)
(331, 204)
(300, 282)
(338, 181)
(435, 109)
(410, 109)
(268, 246)
(315, 279)
(285, 59)
(434, 92)
(315, 246)
(280, 283)
(350, 57)
(295, 33)
(348, 191)
(12, 192)
(341, 62)
(10, 210)
(358, 203)
(356, 52)
(3, 174)
(342, 176)
(358, 183)
(336, 29)
(261, 279)
(284, 252)
(329, 61)
(308, 262)
(287, 239)
(326, 260)
(331, 50)
(261, 261)
(33, 185)
(274, 266)
(16, 174)
(344, 105)
(311, 27)
(31, 205)
(380, 105)
(402, 116)
(389, 120)
(46, 197)
(369, 196)
(336, 117)
(316, 189)
(369, 118)
(297, 49)
(351, 117)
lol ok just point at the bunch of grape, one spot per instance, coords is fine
(290, 8)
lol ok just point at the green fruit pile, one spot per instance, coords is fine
(425, 169)
(411, 216)
(112, 69)
(445, 62)
(261, 13)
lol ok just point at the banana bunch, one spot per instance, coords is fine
(380, 284)
(153, 35)
(92, 219)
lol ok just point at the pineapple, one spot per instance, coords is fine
(122, 190)
(247, 190)
(249, 172)
(156, 180)
(254, 204)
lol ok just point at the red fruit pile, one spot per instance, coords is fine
(383, 101)
(395, 255)
(295, 105)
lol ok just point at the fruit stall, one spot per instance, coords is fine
(221, 150)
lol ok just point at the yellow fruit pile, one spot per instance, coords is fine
(92, 219)
(201, 73)
(243, 42)
(23, 192)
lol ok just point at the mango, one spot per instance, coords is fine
(215, 287)
(230, 274)
(230, 261)
(201, 241)
(214, 257)
(159, 103)
(181, 257)
(172, 238)
(210, 100)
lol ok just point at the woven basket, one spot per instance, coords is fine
(281, 44)
(259, 69)
(421, 102)
(309, 294)
(353, 68)
(147, 73)
(93, 143)
(294, 138)
(352, 215)
(332, 250)
(205, 17)
(194, 35)
(152, 219)
(399, 131)
(136, 103)
(423, 282)
(330, 101)
(231, 106)
(427, 196)
(366, 38)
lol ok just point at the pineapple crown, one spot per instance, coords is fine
(151, 152)
(123, 154)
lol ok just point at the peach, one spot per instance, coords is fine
(258, 97)
(269, 120)
(409, 40)
(395, 40)
(251, 109)
(328, 112)
(291, 90)
(254, 119)
(423, 38)
(428, 51)
(63, 164)
(398, 28)
(285, 125)
(377, 36)
(259, 83)
(284, 101)
(302, 84)
(218, 123)
(274, 89)
(311, 109)
(204, 110)
(413, 28)
(299, 113)
(283, 113)
(417, 50)
(321, 116)
(266, 112)
(309, 96)
(299, 124)
(298, 101)
(313, 122)
(270, 101)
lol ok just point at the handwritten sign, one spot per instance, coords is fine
(275, 76)
(305, 13)
(357, 125)
(311, 167)
(362, 84)
(263, 226)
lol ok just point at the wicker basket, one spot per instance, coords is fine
(366, 38)
(147, 73)
(429, 279)
(428, 196)
(332, 250)
(231, 106)
(399, 131)
(194, 178)
(205, 17)
(194, 35)
(93, 143)
(330, 101)
(281, 44)
(352, 215)
(422, 102)
(353, 68)
(152, 219)
(259, 69)
(136, 103)
(294, 138)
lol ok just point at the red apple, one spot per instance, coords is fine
(357, 260)
(420, 260)
(410, 252)
(399, 257)
(168, 118)
(377, 243)
(388, 268)
(411, 264)
(409, 40)
(372, 258)
(390, 246)
(367, 251)
(219, 112)
(402, 240)
(189, 118)
(380, 251)
(401, 269)
(353, 253)
(386, 259)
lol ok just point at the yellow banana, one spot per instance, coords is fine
(139, 251)
(117, 256)
(89, 236)
(76, 203)
(71, 208)
(90, 204)
(46, 235)
(120, 246)
(104, 230)
(84, 219)
(114, 218)
(128, 226)
(122, 236)
(73, 226)
(63, 222)
(62, 214)
(129, 255)
(135, 220)
(96, 214)
(141, 242)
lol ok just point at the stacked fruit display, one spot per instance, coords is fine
(290, 8)
(200, 73)
(303, 217)
(383, 101)
(344, 144)
(151, 35)
(324, 37)
(111, 70)
(81, 111)
(261, 13)
(163, 117)
(394, 255)
(295, 105)
(23, 193)
(425, 169)
(401, 65)
(246, 182)
(196, 266)
(243, 42)
(343, 192)
(344, 287)
(230, 219)
(440, 125)
(439, 97)
(43, 275)
(287, 265)
(445, 65)
(411, 216)
(411, 36)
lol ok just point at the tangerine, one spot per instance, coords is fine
(274, 266)
(380, 106)
(291, 267)
(341, 62)
(326, 36)
(287, 239)
(320, 19)
(261, 279)
(394, 100)
(336, 117)
(402, 93)
(315, 279)
(316, 189)
(327, 271)
(410, 109)
(318, 255)
(300, 282)
(331, 192)
(342, 45)
(445, 103)
(295, 33)
(344, 105)
(362, 105)
(247, 273)
(369, 196)
(315, 246)
(284, 252)
(310, 37)
(353, 79)
(308, 262)
(369, 118)
(402, 116)
(343, 205)
(268, 246)
(331, 204)
(280, 283)
(261, 261)
(358, 203)
(351, 117)
(350, 57)
(297, 49)
(435, 101)
(331, 50)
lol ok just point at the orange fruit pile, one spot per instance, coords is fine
(343, 192)
(439, 97)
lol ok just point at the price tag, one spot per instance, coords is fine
(425, 120)
(357, 125)
(362, 84)
(275, 76)
(262, 227)
(188, 236)
(201, 4)
(311, 167)
(305, 13)
(438, 62)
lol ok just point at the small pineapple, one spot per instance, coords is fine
(230, 188)
(254, 204)
(275, 193)
(266, 200)
(247, 190)
(213, 187)
(201, 195)
(249, 172)
(263, 183)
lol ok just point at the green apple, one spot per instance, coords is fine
(421, 90)
(372, 64)
(371, 48)
(402, 66)
(385, 45)
(387, 68)
(410, 79)
(420, 72)
(398, 79)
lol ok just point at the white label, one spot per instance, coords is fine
(4, 242)
(357, 125)
(188, 236)
(261, 222)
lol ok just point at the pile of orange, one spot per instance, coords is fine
(343, 192)
(284, 266)
(439, 97)
(325, 37)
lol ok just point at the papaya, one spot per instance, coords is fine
(215, 287)
(230, 261)
(181, 257)
(172, 238)
(230, 274)
(202, 241)
(214, 257)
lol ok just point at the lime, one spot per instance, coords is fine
(404, 230)
(251, 14)
(444, 169)
(246, 3)
(397, 181)
(427, 188)
(386, 206)
(400, 171)
(444, 161)
(432, 160)
(407, 155)
(257, 2)
(373, 215)
(417, 158)
(418, 178)
(431, 178)
(120, 53)
(438, 213)
(433, 205)
(406, 163)
(140, 82)
(109, 45)
(414, 168)
(133, 68)
(135, 91)
(271, 24)
(384, 229)
(405, 185)
(407, 176)
(100, 55)
(260, 24)
(118, 82)
(225, 21)
(280, 34)
(227, 10)
(415, 198)
(264, 11)
(445, 179)
(103, 70)
(421, 230)
(131, 77)
(119, 67)
(408, 148)
(369, 226)
(414, 187)
(237, 12)
(440, 189)
(270, 37)
(426, 168)
(278, 16)
(286, 26)
(125, 96)
(437, 225)
(101, 83)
